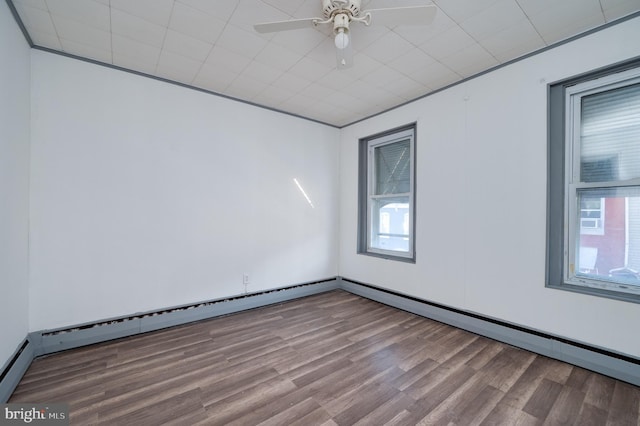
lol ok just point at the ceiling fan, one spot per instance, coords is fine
(341, 13)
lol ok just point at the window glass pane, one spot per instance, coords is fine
(612, 254)
(610, 135)
(392, 168)
(390, 217)
(591, 215)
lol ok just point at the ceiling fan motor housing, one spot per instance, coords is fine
(340, 22)
(331, 8)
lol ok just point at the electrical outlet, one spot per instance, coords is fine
(245, 279)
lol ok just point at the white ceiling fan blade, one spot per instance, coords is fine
(410, 15)
(344, 57)
(294, 24)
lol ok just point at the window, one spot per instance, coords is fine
(592, 216)
(594, 184)
(386, 195)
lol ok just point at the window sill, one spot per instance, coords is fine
(389, 256)
(598, 292)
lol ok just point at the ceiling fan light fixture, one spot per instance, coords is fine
(341, 29)
(342, 39)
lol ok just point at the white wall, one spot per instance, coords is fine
(148, 195)
(14, 185)
(481, 198)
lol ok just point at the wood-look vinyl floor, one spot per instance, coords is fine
(329, 359)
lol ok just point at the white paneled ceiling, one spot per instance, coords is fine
(211, 45)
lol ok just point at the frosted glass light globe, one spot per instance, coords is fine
(342, 40)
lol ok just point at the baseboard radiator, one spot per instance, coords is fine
(603, 361)
(15, 368)
(618, 366)
(49, 341)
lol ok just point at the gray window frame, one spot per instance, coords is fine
(560, 233)
(365, 178)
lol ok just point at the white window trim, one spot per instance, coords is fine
(573, 97)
